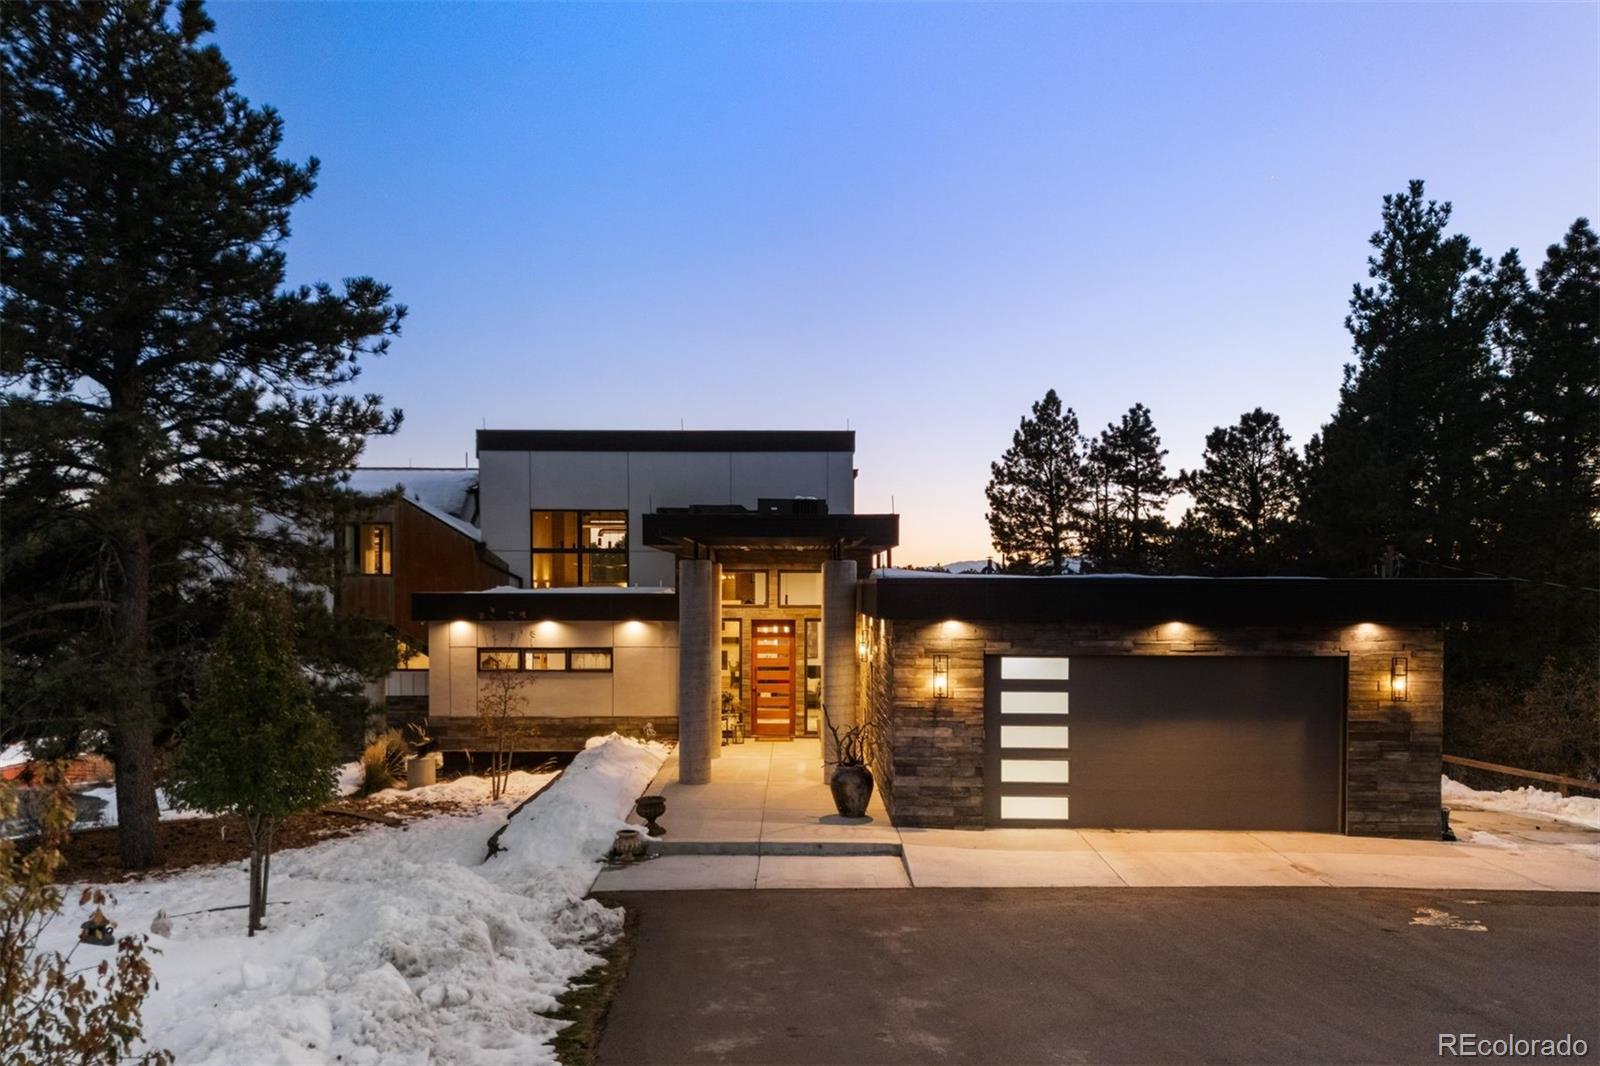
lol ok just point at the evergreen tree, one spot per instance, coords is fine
(255, 744)
(1546, 519)
(1102, 538)
(1403, 461)
(1037, 489)
(1245, 495)
(1129, 461)
(169, 404)
(1553, 499)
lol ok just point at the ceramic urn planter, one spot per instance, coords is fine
(852, 789)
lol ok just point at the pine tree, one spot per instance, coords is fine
(1244, 497)
(1037, 488)
(1102, 538)
(1548, 510)
(255, 744)
(1554, 408)
(169, 404)
(1131, 527)
(1403, 461)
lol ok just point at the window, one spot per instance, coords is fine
(573, 548)
(800, 588)
(409, 658)
(498, 659)
(370, 548)
(586, 659)
(813, 675)
(745, 588)
(544, 660)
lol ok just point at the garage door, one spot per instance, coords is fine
(1161, 742)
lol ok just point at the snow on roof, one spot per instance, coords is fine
(442, 493)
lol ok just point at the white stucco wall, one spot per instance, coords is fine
(643, 681)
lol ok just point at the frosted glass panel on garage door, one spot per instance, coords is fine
(1033, 736)
(1034, 771)
(1033, 703)
(1034, 808)
(1032, 668)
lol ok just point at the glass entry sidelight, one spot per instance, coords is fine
(773, 686)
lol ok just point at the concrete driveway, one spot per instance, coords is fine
(1084, 975)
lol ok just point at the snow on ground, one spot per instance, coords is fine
(393, 946)
(14, 755)
(104, 811)
(519, 785)
(351, 778)
(1579, 810)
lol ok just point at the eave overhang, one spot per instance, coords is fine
(840, 534)
(1198, 600)
(547, 605)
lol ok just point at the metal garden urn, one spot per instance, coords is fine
(650, 808)
(628, 847)
(852, 789)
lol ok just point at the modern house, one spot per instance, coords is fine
(424, 537)
(708, 585)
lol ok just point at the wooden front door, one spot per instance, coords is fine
(773, 683)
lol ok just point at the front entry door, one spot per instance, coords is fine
(774, 679)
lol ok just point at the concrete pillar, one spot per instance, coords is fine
(699, 608)
(838, 654)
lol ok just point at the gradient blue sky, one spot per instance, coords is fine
(914, 219)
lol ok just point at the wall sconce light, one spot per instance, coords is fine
(941, 676)
(861, 649)
(1398, 681)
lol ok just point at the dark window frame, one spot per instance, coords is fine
(582, 554)
(522, 666)
(352, 553)
(516, 653)
(611, 661)
(766, 586)
(814, 573)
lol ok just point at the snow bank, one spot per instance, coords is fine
(351, 778)
(393, 946)
(1580, 810)
(519, 785)
(103, 812)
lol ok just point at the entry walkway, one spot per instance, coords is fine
(768, 821)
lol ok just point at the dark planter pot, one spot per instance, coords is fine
(852, 790)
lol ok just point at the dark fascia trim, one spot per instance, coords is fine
(1199, 600)
(666, 440)
(756, 529)
(543, 606)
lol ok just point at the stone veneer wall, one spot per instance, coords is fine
(932, 774)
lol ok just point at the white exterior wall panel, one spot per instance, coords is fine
(643, 680)
(504, 499)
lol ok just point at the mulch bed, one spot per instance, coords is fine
(92, 854)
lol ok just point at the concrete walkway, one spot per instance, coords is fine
(768, 821)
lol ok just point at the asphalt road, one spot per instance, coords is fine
(1099, 975)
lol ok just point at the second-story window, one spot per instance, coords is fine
(371, 548)
(579, 548)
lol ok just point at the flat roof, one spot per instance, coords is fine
(1265, 601)
(589, 604)
(666, 440)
